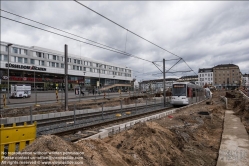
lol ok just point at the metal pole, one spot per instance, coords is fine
(146, 104)
(61, 92)
(164, 93)
(74, 113)
(99, 80)
(136, 106)
(102, 112)
(79, 93)
(31, 120)
(66, 78)
(35, 92)
(121, 105)
(8, 71)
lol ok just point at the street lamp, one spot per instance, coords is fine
(8, 46)
(99, 79)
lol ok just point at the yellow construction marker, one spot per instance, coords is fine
(118, 115)
(128, 113)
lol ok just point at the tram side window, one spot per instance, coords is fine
(188, 92)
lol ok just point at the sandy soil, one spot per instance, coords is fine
(184, 138)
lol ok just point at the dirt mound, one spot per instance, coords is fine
(184, 138)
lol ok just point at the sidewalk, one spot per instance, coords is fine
(234, 148)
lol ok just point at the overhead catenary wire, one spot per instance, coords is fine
(132, 32)
(126, 28)
(76, 39)
(70, 33)
(60, 30)
(114, 49)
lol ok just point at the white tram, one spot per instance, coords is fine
(184, 93)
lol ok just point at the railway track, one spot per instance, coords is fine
(73, 118)
(76, 134)
(72, 124)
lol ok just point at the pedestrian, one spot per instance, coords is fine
(93, 91)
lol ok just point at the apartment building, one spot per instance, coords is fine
(227, 76)
(245, 80)
(205, 76)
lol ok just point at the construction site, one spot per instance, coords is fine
(189, 135)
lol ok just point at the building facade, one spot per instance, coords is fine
(190, 78)
(46, 68)
(245, 80)
(227, 76)
(205, 76)
(156, 85)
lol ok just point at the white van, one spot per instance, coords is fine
(20, 90)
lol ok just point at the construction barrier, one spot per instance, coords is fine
(16, 138)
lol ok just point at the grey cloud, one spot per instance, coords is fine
(204, 36)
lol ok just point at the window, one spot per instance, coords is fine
(53, 64)
(25, 52)
(5, 57)
(15, 50)
(62, 58)
(84, 68)
(32, 61)
(39, 54)
(91, 64)
(74, 67)
(54, 57)
(57, 64)
(91, 70)
(19, 59)
(62, 65)
(68, 59)
(42, 63)
(79, 61)
(75, 60)
(25, 60)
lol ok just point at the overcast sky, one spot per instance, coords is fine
(204, 34)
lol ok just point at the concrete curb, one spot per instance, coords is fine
(103, 133)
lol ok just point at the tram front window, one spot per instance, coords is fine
(179, 90)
